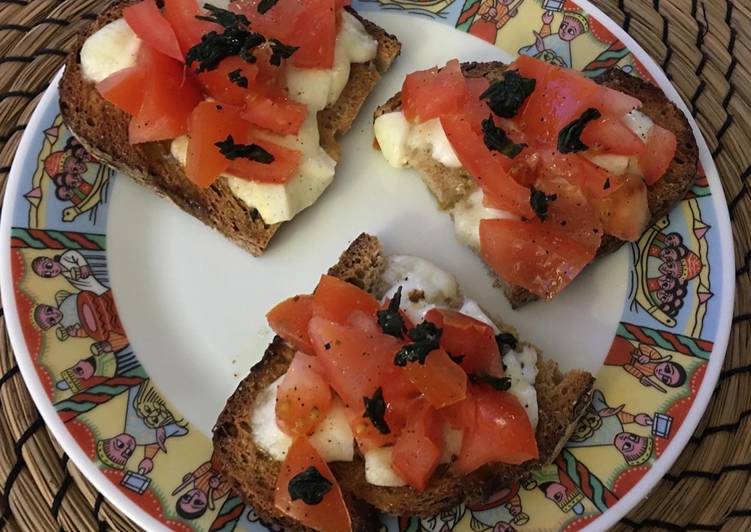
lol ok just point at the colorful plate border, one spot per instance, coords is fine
(579, 492)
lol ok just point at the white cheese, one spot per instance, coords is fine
(332, 438)
(471, 308)
(430, 135)
(615, 164)
(452, 439)
(467, 214)
(392, 131)
(521, 369)
(639, 123)
(110, 49)
(419, 277)
(398, 140)
(378, 470)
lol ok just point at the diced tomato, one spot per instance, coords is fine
(488, 168)
(335, 300)
(181, 15)
(355, 361)
(124, 89)
(659, 154)
(315, 34)
(461, 415)
(331, 513)
(216, 83)
(624, 210)
(441, 380)
(284, 166)
(208, 124)
(575, 169)
(366, 435)
(557, 101)
(303, 398)
(271, 80)
(531, 256)
(529, 67)
(610, 135)
(432, 93)
(280, 115)
(571, 213)
(398, 392)
(146, 21)
(419, 447)
(471, 339)
(277, 23)
(290, 318)
(476, 110)
(168, 99)
(502, 432)
(613, 103)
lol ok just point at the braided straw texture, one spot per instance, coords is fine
(698, 42)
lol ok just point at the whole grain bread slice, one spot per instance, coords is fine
(103, 130)
(561, 398)
(451, 185)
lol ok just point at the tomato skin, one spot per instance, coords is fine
(419, 447)
(659, 154)
(476, 110)
(285, 165)
(488, 168)
(502, 432)
(461, 415)
(335, 300)
(208, 124)
(433, 93)
(216, 82)
(366, 435)
(331, 513)
(532, 68)
(315, 34)
(441, 380)
(124, 89)
(610, 135)
(469, 338)
(280, 115)
(529, 255)
(614, 104)
(290, 318)
(303, 399)
(624, 211)
(146, 21)
(181, 15)
(169, 98)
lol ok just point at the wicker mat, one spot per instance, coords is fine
(700, 43)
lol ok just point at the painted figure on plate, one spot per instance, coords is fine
(486, 18)
(205, 488)
(74, 267)
(96, 369)
(650, 367)
(555, 48)
(557, 488)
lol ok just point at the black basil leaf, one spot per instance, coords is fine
(236, 77)
(506, 96)
(265, 5)
(497, 383)
(506, 342)
(569, 139)
(496, 139)
(280, 51)
(390, 320)
(425, 338)
(233, 151)
(309, 486)
(225, 18)
(540, 202)
(375, 410)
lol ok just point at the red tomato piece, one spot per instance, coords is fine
(659, 154)
(432, 93)
(331, 513)
(557, 101)
(366, 435)
(441, 380)
(216, 83)
(208, 124)
(284, 166)
(502, 432)
(398, 392)
(303, 398)
(489, 168)
(624, 211)
(146, 21)
(169, 97)
(335, 300)
(124, 89)
(610, 135)
(277, 23)
(419, 447)
(280, 115)
(529, 255)
(461, 415)
(529, 67)
(188, 29)
(290, 318)
(314, 32)
(476, 110)
(355, 361)
(464, 336)
(613, 103)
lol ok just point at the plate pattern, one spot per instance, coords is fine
(148, 450)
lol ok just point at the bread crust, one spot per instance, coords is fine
(102, 129)
(561, 398)
(451, 185)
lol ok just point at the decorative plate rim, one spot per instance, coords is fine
(605, 520)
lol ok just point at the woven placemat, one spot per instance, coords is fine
(699, 43)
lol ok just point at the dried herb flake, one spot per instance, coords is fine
(236, 77)
(425, 337)
(506, 342)
(540, 202)
(497, 383)
(253, 152)
(266, 5)
(569, 139)
(309, 486)
(390, 320)
(506, 96)
(496, 139)
(375, 410)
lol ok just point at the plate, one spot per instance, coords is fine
(150, 319)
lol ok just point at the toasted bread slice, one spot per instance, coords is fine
(103, 130)
(451, 185)
(561, 399)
